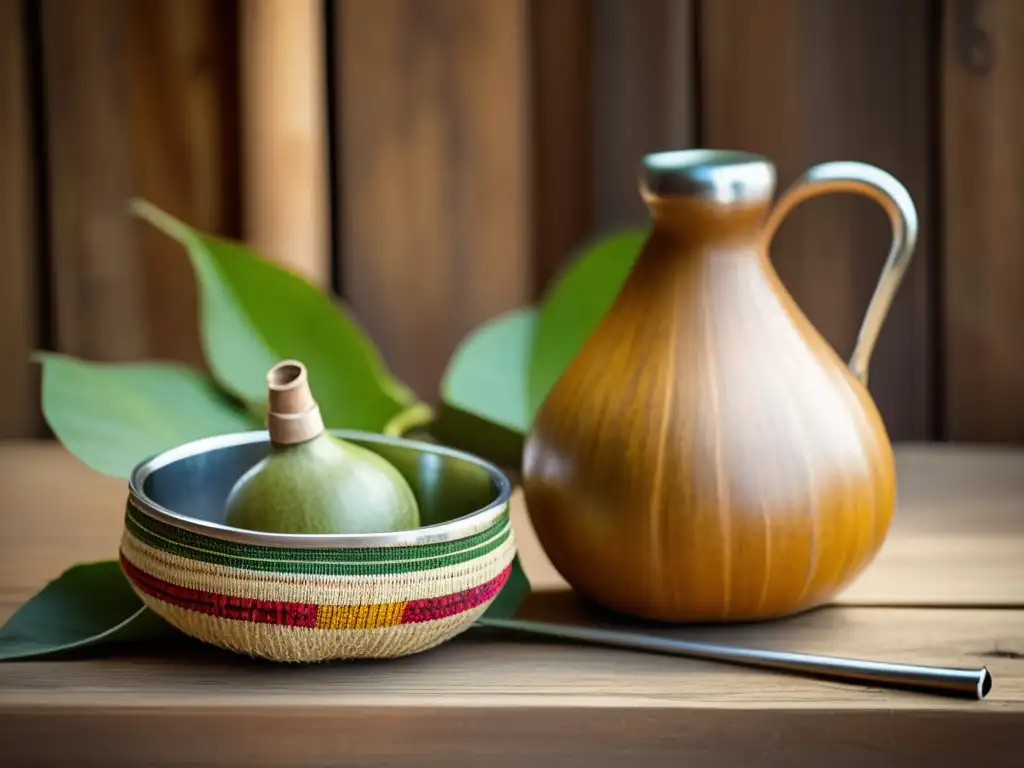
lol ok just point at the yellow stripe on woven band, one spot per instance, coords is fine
(359, 616)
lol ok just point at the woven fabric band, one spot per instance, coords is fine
(388, 600)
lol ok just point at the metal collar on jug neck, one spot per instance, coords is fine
(716, 175)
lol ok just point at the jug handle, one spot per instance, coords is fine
(884, 189)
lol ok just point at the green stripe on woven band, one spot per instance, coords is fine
(328, 562)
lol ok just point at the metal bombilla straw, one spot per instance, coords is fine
(945, 681)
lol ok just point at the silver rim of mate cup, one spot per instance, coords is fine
(461, 527)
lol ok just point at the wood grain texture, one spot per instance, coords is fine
(434, 174)
(138, 102)
(508, 734)
(983, 194)
(726, 466)
(494, 671)
(561, 38)
(285, 134)
(644, 98)
(19, 248)
(806, 81)
(182, 115)
(507, 701)
(99, 308)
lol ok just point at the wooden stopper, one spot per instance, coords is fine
(292, 414)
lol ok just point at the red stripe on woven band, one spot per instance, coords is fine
(301, 615)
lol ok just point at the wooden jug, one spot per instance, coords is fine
(707, 456)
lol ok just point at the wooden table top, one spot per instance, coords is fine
(948, 589)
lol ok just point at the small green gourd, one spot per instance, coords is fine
(311, 481)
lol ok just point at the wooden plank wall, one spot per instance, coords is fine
(434, 172)
(472, 147)
(561, 131)
(184, 117)
(806, 82)
(644, 70)
(284, 130)
(19, 306)
(97, 298)
(983, 226)
(137, 102)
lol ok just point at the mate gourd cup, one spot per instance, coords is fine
(707, 456)
(299, 597)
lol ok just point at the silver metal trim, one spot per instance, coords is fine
(888, 192)
(452, 530)
(718, 175)
(952, 681)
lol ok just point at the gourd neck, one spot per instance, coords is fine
(293, 416)
(693, 222)
(706, 195)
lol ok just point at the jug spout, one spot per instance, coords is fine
(730, 188)
(722, 176)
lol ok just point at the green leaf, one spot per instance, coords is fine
(574, 304)
(486, 376)
(88, 605)
(254, 313)
(114, 415)
(483, 392)
(511, 595)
